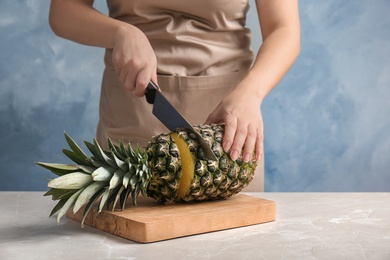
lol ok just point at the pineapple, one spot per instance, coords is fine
(172, 167)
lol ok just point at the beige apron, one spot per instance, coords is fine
(195, 71)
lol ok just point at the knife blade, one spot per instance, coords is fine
(171, 118)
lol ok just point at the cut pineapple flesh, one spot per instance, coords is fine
(188, 166)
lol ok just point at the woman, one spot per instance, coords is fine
(198, 52)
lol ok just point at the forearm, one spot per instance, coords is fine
(275, 57)
(280, 29)
(78, 21)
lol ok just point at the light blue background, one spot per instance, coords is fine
(327, 124)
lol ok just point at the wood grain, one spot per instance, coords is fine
(151, 221)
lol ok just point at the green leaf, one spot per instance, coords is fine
(71, 181)
(134, 195)
(57, 207)
(71, 155)
(124, 197)
(49, 192)
(133, 181)
(112, 196)
(144, 189)
(116, 149)
(60, 193)
(103, 154)
(67, 194)
(75, 148)
(104, 198)
(58, 168)
(123, 149)
(126, 179)
(90, 205)
(117, 179)
(68, 204)
(121, 164)
(104, 173)
(87, 194)
(94, 151)
(87, 169)
(132, 155)
(117, 197)
(98, 164)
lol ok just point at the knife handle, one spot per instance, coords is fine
(150, 92)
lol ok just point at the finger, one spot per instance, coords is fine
(216, 117)
(119, 68)
(250, 144)
(129, 81)
(116, 63)
(259, 146)
(211, 119)
(122, 73)
(230, 131)
(154, 77)
(142, 81)
(238, 142)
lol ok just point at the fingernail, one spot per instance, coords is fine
(246, 157)
(226, 146)
(234, 155)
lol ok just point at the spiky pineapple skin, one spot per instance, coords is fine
(164, 161)
(212, 179)
(123, 171)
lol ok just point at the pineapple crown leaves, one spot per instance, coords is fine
(111, 175)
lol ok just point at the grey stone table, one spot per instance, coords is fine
(308, 226)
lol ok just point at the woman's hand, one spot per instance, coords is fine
(134, 59)
(240, 111)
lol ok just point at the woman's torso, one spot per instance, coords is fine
(203, 51)
(192, 37)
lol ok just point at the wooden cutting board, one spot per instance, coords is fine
(151, 221)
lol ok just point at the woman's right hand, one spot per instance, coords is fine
(133, 56)
(134, 59)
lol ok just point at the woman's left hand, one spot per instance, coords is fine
(240, 111)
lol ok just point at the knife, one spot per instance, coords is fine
(171, 118)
